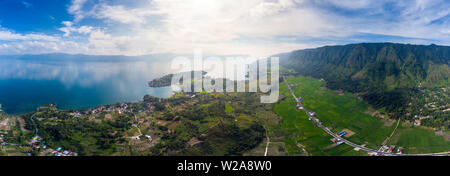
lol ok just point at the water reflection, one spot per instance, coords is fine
(28, 83)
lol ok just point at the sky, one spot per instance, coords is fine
(226, 27)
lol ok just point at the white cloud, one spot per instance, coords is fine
(75, 9)
(120, 14)
(215, 26)
(69, 29)
(236, 27)
(7, 35)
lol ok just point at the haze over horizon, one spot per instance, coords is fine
(253, 27)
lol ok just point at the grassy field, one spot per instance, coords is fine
(340, 110)
(335, 110)
(419, 140)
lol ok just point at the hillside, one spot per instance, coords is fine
(385, 74)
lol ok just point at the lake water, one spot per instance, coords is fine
(28, 82)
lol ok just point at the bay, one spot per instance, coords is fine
(77, 82)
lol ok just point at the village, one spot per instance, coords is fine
(38, 144)
(338, 138)
(120, 108)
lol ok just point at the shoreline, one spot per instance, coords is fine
(82, 109)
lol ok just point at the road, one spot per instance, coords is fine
(34, 123)
(353, 144)
(267, 145)
(389, 138)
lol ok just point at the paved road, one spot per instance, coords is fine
(353, 144)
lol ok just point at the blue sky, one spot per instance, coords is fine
(253, 27)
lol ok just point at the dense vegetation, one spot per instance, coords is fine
(166, 80)
(386, 75)
(185, 124)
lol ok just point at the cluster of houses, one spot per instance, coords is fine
(60, 152)
(146, 136)
(417, 119)
(75, 114)
(312, 117)
(337, 141)
(37, 142)
(2, 139)
(390, 149)
(122, 108)
(149, 108)
(299, 105)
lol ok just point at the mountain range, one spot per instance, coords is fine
(385, 74)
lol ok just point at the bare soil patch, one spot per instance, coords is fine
(108, 117)
(349, 133)
(193, 141)
(4, 124)
(389, 122)
(442, 133)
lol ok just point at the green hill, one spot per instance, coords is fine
(386, 75)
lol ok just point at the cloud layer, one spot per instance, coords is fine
(254, 27)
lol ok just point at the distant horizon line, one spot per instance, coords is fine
(209, 54)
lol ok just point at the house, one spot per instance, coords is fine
(337, 141)
(391, 149)
(313, 114)
(342, 133)
(317, 121)
(400, 150)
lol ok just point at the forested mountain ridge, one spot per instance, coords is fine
(386, 74)
(393, 65)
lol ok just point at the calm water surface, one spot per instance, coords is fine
(26, 84)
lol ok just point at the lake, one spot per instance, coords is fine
(76, 81)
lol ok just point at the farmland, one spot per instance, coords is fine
(416, 140)
(336, 110)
